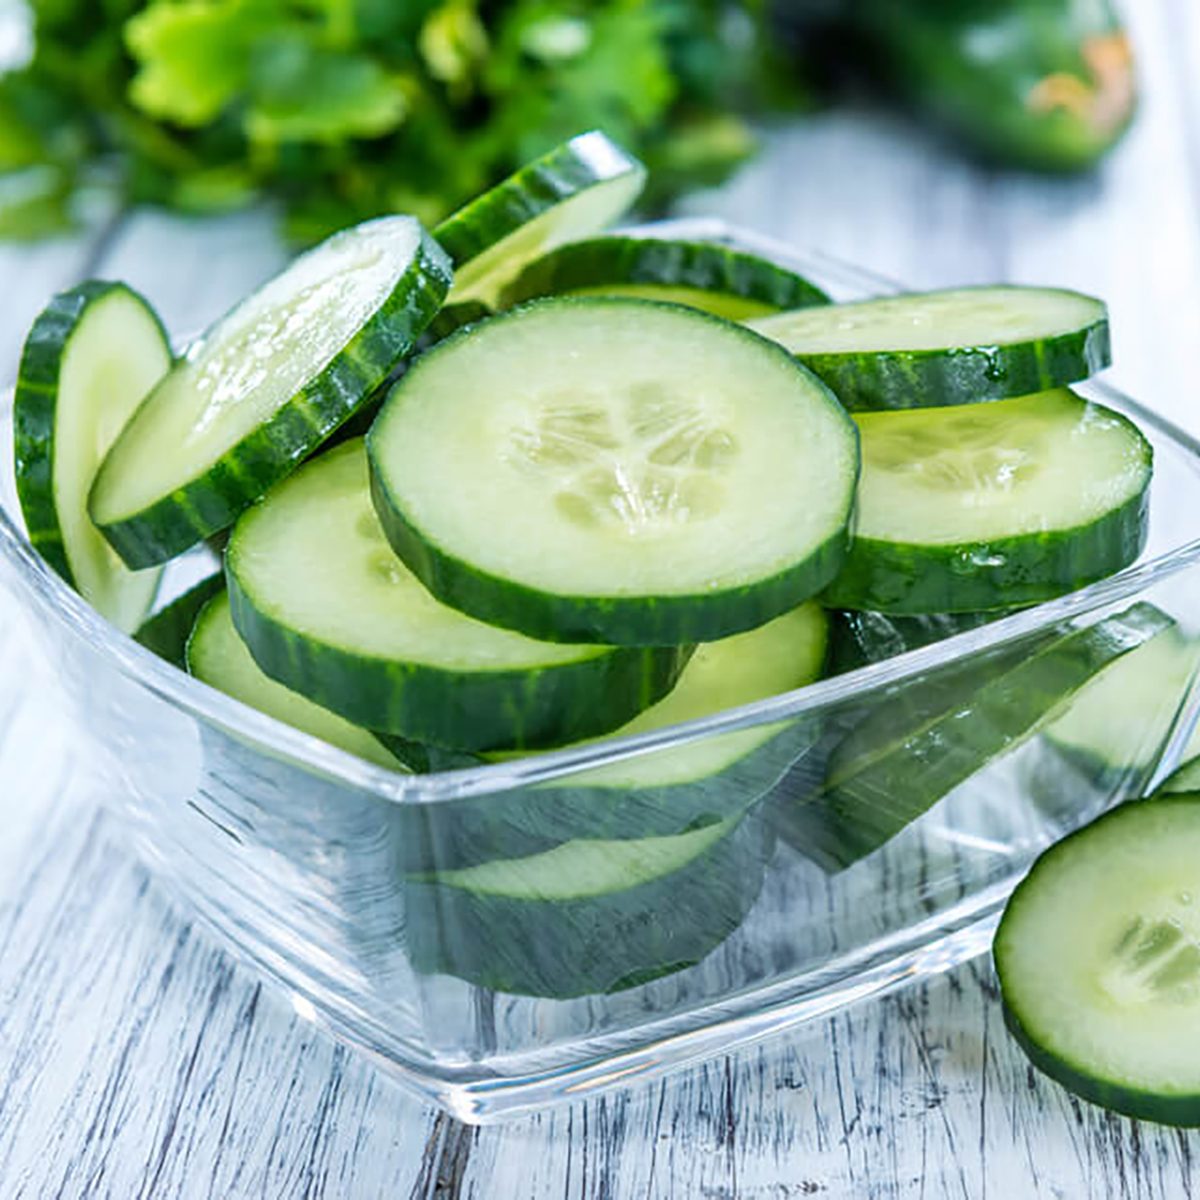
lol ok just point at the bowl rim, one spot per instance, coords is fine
(281, 741)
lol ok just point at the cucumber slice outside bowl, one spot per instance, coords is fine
(957, 346)
(265, 386)
(90, 358)
(993, 505)
(572, 191)
(1098, 954)
(728, 283)
(650, 474)
(327, 609)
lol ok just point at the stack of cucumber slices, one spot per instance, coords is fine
(521, 483)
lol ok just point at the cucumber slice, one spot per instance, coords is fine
(993, 506)
(166, 633)
(329, 611)
(664, 793)
(727, 283)
(572, 191)
(218, 657)
(859, 638)
(649, 475)
(949, 347)
(265, 386)
(1116, 726)
(91, 356)
(1187, 775)
(901, 757)
(589, 916)
(1098, 955)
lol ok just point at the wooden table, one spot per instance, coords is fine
(141, 1061)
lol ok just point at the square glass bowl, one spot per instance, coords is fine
(589, 926)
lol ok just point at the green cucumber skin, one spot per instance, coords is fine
(702, 265)
(567, 948)
(528, 820)
(213, 501)
(894, 379)
(905, 578)
(1181, 1110)
(481, 711)
(857, 639)
(638, 621)
(34, 410)
(166, 633)
(523, 196)
(1008, 697)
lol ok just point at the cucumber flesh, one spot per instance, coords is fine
(725, 282)
(1116, 725)
(265, 386)
(572, 191)
(328, 610)
(90, 358)
(216, 655)
(950, 347)
(993, 506)
(619, 479)
(914, 747)
(1186, 777)
(1098, 955)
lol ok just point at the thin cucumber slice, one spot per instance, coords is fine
(166, 633)
(1098, 955)
(589, 916)
(1115, 726)
(725, 282)
(993, 506)
(949, 347)
(614, 471)
(89, 360)
(668, 792)
(265, 386)
(328, 610)
(572, 191)
(216, 655)
(919, 744)
(859, 638)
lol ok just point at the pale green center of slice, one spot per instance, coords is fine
(648, 460)
(253, 362)
(946, 476)
(1157, 959)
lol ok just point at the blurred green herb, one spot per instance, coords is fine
(343, 109)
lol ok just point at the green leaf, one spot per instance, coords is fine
(194, 57)
(299, 91)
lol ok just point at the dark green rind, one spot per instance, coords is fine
(34, 411)
(901, 758)
(901, 577)
(662, 620)
(167, 632)
(857, 639)
(892, 379)
(1181, 1109)
(528, 193)
(211, 502)
(567, 948)
(705, 266)
(470, 711)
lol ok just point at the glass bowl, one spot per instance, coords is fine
(533, 931)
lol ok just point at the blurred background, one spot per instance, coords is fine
(934, 141)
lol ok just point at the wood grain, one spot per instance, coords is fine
(140, 1061)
